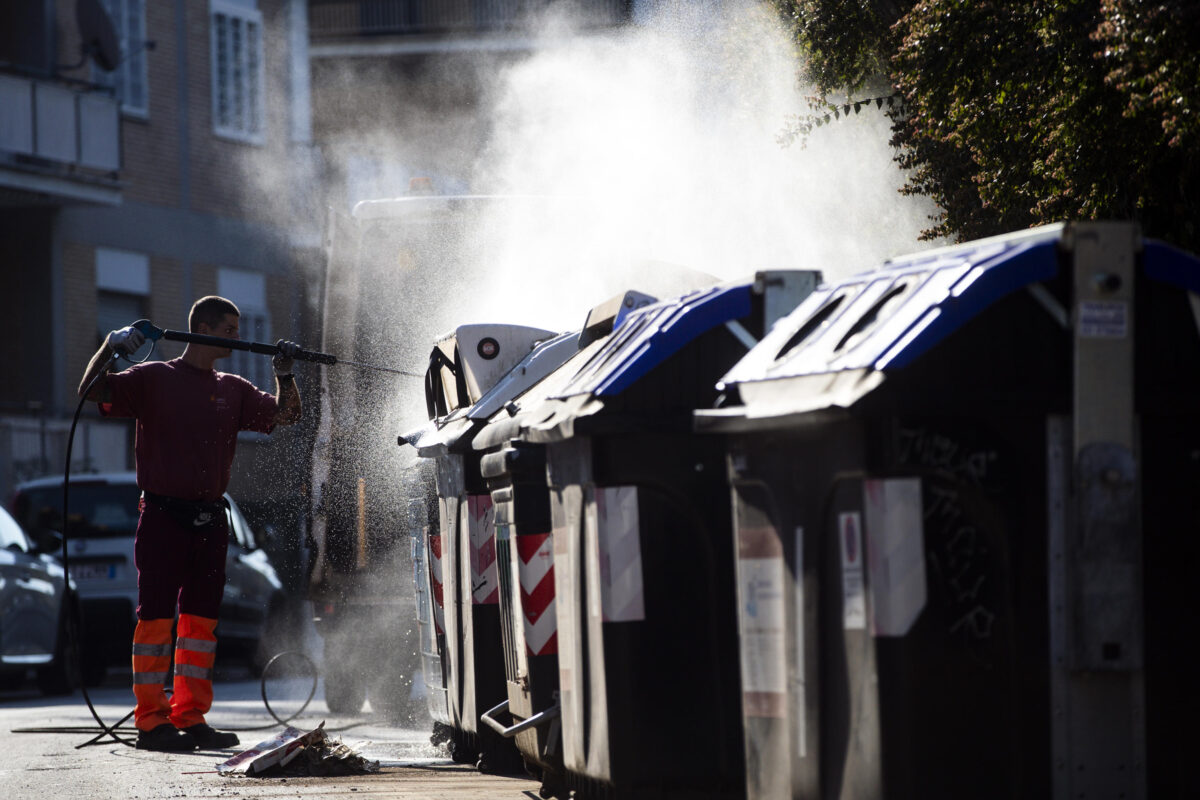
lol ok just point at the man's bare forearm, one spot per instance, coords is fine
(287, 401)
(97, 366)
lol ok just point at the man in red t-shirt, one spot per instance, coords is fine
(188, 417)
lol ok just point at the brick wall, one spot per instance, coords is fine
(79, 307)
(150, 162)
(168, 303)
(204, 280)
(232, 177)
(280, 290)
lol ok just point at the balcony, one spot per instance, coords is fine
(60, 141)
(331, 19)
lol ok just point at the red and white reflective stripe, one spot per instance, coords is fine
(620, 555)
(481, 517)
(535, 567)
(435, 581)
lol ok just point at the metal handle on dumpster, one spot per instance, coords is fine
(540, 718)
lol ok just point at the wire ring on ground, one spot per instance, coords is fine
(312, 691)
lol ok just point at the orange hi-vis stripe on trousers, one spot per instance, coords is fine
(151, 662)
(195, 652)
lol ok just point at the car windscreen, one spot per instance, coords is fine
(98, 510)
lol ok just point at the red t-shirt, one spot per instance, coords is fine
(187, 424)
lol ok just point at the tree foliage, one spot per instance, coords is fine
(1020, 114)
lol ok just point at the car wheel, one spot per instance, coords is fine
(345, 688)
(390, 692)
(11, 681)
(279, 633)
(345, 693)
(62, 676)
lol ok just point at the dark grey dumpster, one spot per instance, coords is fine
(515, 471)
(941, 475)
(640, 531)
(465, 368)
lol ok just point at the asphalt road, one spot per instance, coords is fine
(54, 765)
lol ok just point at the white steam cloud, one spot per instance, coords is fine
(670, 130)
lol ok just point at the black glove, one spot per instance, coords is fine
(283, 359)
(125, 341)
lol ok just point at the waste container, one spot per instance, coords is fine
(515, 472)
(425, 544)
(469, 368)
(643, 579)
(943, 587)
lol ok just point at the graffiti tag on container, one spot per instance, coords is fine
(957, 551)
(939, 451)
(959, 557)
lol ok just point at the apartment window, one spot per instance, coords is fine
(248, 292)
(237, 70)
(128, 80)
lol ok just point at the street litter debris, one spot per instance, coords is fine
(296, 753)
(330, 758)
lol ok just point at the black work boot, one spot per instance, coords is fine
(207, 737)
(165, 738)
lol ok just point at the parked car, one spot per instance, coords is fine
(39, 615)
(255, 617)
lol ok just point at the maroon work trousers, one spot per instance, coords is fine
(177, 565)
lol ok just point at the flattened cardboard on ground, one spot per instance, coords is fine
(329, 758)
(279, 749)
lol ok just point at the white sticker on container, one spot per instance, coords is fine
(1103, 319)
(619, 549)
(895, 553)
(854, 601)
(764, 664)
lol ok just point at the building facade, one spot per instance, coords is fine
(150, 153)
(402, 89)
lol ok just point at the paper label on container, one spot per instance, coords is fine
(1103, 319)
(764, 665)
(854, 601)
(895, 553)
(619, 554)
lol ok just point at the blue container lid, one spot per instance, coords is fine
(651, 335)
(842, 341)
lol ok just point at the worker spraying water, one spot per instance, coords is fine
(188, 417)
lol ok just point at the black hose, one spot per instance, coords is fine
(105, 730)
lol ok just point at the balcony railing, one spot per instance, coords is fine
(341, 18)
(55, 124)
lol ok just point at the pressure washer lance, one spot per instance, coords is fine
(154, 334)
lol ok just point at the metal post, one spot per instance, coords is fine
(1096, 623)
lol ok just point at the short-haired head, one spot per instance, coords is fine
(211, 311)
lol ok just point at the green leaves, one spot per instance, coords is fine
(1018, 114)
